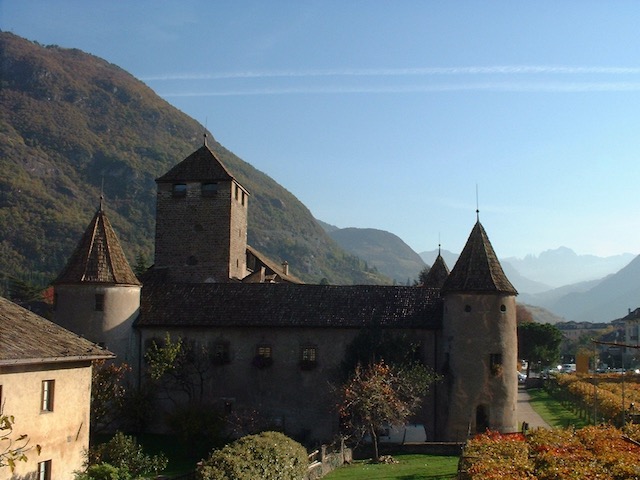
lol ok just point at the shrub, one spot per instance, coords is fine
(268, 456)
(124, 453)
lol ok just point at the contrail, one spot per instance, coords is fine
(402, 72)
(573, 87)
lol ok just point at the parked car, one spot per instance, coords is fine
(522, 377)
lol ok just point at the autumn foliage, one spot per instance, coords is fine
(596, 452)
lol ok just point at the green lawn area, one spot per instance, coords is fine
(552, 411)
(410, 467)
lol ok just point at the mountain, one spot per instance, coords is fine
(562, 266)
(73, 125)
(609, 299)
(381, 250)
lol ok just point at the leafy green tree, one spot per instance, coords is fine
(12, 450)
(179, 367)
(374, 343)
(538, 342)
(125, 454)
(267, 456)
(381, 395)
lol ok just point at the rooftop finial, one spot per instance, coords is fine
(205, 139)
(102, 193)
(477, 205)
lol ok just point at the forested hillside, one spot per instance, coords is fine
(73, 125)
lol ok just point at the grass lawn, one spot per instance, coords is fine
(552, 411)
(410, 467)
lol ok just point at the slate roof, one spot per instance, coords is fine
(437, 274)
(202, 165)
(478, 269)
(27, 338)
(99, 257)
(287, 305)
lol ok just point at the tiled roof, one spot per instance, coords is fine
(201, 165)
(28, 338)
(272, 266)
(287, 305)
(98, 258)
(437, 274)
(478, 268)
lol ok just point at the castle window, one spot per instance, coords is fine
(99, 302)
(46, 399)
(179, 190)
(308, 357)
(467, 308)
(237, 192)
(243, 198)
(263, 358)
(503, 308)
(209, 189)
(220, 353)
(495, 363)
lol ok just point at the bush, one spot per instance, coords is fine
(268, 456)
(124, 453)
(103, 471)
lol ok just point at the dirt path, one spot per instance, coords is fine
(526, 413)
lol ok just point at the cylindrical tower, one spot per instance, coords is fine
(97, 295)
(479, 354)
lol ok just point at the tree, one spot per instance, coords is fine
(179, 366)
(538, 342)
(381, 395)
(12, 450)
(422, 276)
(523, 315)
(374, 343)
(107, 394)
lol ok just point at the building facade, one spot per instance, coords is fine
(276, 345)
(45, 384)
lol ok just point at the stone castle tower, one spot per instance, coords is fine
(97, 295)
(479, 343)
(201, 221)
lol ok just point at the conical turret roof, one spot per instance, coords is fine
(98, 258)
(201, 165)
(437, 274)
(478, 269)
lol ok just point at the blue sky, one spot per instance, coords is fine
(391, 115)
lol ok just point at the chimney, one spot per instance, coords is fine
(285, 267)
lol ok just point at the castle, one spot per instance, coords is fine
(275, 343)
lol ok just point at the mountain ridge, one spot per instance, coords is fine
(74, 127)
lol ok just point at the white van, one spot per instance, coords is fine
(401, 434)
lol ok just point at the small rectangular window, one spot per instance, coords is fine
(264, 351)
(99, 307)
(179, 190)
(308, 357)
(263, 358)
(237, 191)
(46, 402)
(209, 189)
(495, 363)
(308, 354)
(44, 470)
